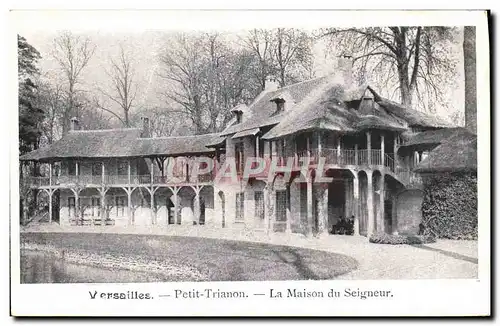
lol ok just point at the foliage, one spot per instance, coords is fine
(393, 239)
(30, 115)
(415, 62)
(449, 209)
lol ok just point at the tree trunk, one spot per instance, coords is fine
(469, 47)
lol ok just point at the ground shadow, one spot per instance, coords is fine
(447, 253)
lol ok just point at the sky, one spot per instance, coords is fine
(147, 44)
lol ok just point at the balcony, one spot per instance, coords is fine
(348, 157)
(115, 180)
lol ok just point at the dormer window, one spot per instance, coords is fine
(238, 112)
(239, 116)
(280, 105)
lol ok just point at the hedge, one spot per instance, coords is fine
(449, 209)
(384, 238)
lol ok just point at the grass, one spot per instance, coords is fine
(220, 260)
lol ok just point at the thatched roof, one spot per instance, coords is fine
(378, 122)
(119, 143)
(427, 139)
(262, 110)
(413, 117)
(456, 153)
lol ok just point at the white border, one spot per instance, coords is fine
(429, 297)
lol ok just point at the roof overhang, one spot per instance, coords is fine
(248, 132)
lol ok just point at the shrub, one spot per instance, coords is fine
(449, 209)
(384, 238)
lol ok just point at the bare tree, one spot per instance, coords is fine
(285, 52)
(50, 98)
(123, 86)
(73, 53)
(205, 78)
(415, 61)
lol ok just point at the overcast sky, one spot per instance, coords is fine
(145, 46)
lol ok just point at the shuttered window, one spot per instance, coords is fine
(259, 204)
(240, 206)
(281, 205)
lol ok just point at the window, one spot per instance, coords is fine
(240, 206)
(259, 204)
(280, 148)
(122, 168)
(280, 106)
(239, 116)
(96, 169)
(239, 156)
(71, 168)
(261, 147)
(281, 204)
(71, 206)
(120, 203)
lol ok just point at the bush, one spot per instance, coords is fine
(449, 209)
(384, 238)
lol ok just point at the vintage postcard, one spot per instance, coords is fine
(250, 163)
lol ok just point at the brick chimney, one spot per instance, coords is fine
(74, 124)
(271, 84)
(344, 69)
(146, 128)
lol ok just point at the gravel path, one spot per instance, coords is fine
(443, 259)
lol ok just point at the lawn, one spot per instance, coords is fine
(219, 260)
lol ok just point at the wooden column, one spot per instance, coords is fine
(267, 199)
(338, 148)
(197, 210)
(103, 207)
(77, 205)
(355, 186)
(77, 173)
(288, 228)
(152, 205)
(382, 149)
(151, 170)
(50, 204)
(129, 205)
(309, 207)
(129, 172)
(176, 206)
(369, 147)
(395, 151)
(381, 208)
(369, 204)
(50, 174)
(356, 155)
(319, 143)
(103, 173)
(257, 149)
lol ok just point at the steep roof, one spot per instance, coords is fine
(432, 137)
(262, 110)
(413, 117)
(119, 143)
(456, 153)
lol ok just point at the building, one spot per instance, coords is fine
(368, 147)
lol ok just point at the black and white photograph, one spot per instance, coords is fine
(238, 162)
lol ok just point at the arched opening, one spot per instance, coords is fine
(140, 206)
(206, 205)
(340, 197)
(186, 201)
(163, 206)
(363, 207)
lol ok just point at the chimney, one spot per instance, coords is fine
(271, 84)
(146, 129)
(74, 124)
(344, 68)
